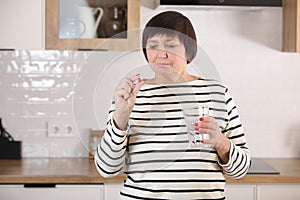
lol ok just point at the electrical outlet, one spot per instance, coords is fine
(60, 129)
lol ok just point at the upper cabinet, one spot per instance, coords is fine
(291, 26)
(92, 24)
(21, 24)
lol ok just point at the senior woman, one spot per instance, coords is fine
(146, 135)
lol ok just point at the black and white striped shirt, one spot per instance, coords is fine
(155, 152)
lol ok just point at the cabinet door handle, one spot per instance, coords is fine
(7, 49)
(92, 50)
(39, 185)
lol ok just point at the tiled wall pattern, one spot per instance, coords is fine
(245, 45)
(36, 88)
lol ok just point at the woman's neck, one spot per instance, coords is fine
(179, 78)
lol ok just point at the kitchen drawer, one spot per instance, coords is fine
(50, 192)
(278, 191)
(240, 191)
(112, 191)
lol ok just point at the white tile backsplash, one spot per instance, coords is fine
(244, 45)
(37, 86)
(33, 150)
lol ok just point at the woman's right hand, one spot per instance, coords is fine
(125, 96)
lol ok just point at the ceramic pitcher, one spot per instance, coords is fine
(87, 17)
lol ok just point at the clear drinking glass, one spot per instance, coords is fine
(192, 115)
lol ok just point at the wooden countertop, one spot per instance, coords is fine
(82, 170)
(51, 170)
(289, 169)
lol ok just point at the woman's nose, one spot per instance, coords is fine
(163, 53)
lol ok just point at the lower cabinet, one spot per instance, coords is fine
(262, 191)
(240, 191)
(278, 192)
(112, 191)
(50, 192)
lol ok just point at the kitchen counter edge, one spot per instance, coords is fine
(83, 171)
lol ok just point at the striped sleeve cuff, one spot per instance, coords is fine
(238, 164)
(117, 134)
(229, 163)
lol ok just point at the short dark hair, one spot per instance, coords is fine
(172, 23)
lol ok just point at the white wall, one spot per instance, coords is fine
(37, 86)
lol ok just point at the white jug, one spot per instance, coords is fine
(78, 20)
(87, 17)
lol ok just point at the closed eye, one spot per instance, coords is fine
(171, 46)
(153, 46)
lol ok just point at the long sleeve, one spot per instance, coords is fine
(239, 155)
(111, 151)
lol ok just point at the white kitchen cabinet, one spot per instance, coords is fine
(112, 191)
(22, 24)
(240, 191)
(59, 192)
(110, 42)
(278, 192)
(262, 191)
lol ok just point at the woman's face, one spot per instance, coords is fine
(166, 54)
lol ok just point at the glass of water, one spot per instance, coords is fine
(191, 116)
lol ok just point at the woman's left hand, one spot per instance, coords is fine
(208, 125)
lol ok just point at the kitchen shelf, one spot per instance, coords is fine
(53, 41)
